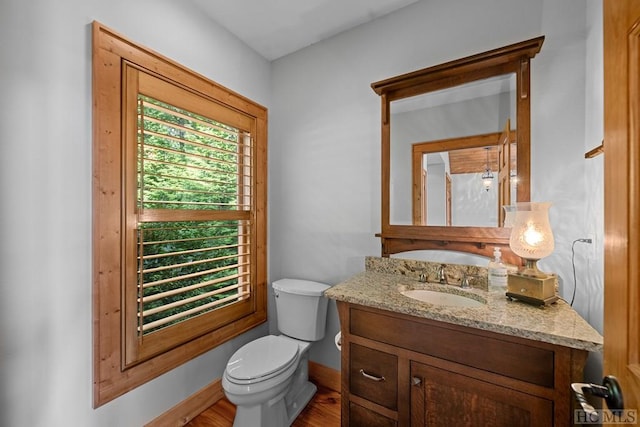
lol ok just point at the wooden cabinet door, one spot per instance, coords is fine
(444, 398)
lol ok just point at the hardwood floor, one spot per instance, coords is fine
(322, 411)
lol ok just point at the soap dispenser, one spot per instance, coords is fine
(497, 270)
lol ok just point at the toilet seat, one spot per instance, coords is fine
(262, 359)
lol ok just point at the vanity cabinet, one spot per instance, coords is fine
(440, 397)
(401, 370)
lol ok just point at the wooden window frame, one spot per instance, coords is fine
(112, 375)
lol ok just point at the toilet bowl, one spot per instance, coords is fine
(257, 378)
(268, 378)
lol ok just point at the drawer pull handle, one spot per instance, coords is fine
(416, 381)
(371, 377)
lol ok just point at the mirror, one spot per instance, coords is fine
(455, 148)
(452, 138)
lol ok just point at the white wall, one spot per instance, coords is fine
(437, 194)
(472, 204)
(45, 117)
(325, 134)
(590, 280)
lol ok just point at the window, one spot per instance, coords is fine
(179, 215)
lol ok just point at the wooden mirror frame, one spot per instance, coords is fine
(513, 58)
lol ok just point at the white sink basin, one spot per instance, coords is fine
(441, 298)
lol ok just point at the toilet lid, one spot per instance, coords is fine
(262, 359)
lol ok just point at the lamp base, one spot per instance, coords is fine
(533, 301)
(532, 290)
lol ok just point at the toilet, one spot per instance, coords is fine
(268, 378)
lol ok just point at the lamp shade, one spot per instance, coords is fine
(531, 236)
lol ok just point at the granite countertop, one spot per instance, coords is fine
(557, 323)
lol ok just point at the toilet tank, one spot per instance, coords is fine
(301, 308)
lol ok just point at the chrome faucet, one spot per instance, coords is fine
(464, 283)
(441, 275)
(466, 277)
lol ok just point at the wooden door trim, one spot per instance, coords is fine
(622, 183)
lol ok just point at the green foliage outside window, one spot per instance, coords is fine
(187, 162)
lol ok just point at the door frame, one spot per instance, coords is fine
(621, 200)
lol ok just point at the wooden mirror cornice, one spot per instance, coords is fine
(514, 59)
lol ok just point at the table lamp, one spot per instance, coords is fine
(531, 239)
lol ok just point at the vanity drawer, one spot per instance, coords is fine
(363, 417)
(487, 352)
(373, 375)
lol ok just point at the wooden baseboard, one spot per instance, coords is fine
(191, 407)
(324, 376)
(206, 397)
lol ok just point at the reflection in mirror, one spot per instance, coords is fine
(442, 143)
(459, 187)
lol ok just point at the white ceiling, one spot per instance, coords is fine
(275, 28)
